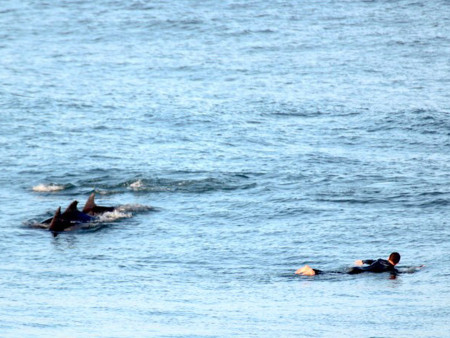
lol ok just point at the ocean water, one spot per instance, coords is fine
(264, 135)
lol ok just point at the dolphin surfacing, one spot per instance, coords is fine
(92, 209)
(70, 217)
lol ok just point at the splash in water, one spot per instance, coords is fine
(48, 187)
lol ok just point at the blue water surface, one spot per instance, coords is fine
(265, 135)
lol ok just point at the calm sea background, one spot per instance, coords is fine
(266, 135)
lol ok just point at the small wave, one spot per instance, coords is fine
(127, 208)
(113, 215)
(200, 185)
(137, 185)
(48, 187)
(36, 224)
(123, 211)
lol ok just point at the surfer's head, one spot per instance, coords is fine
(394, 258)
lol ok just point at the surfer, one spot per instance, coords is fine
(368, 265)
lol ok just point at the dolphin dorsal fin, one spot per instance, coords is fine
(71, 208)
(90, 203)
(57, 212)
(53, 223)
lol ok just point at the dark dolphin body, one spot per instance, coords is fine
(93, 209)
(70, 217)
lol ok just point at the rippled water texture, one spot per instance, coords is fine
(243, 139)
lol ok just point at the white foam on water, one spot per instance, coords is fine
(47, 187)
(137, 185)
(114, 215)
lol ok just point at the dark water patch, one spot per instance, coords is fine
(309, 110)
(434, 193)
(423, 121)
(141, 6)
(250, 32)
(438, 202)
(380, 196)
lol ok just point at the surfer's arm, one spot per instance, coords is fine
(368, 261)
(360, 262)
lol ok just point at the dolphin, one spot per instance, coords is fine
(57, 223)
(70, 217)
(92, 209)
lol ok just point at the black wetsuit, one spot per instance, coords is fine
(380, 265)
